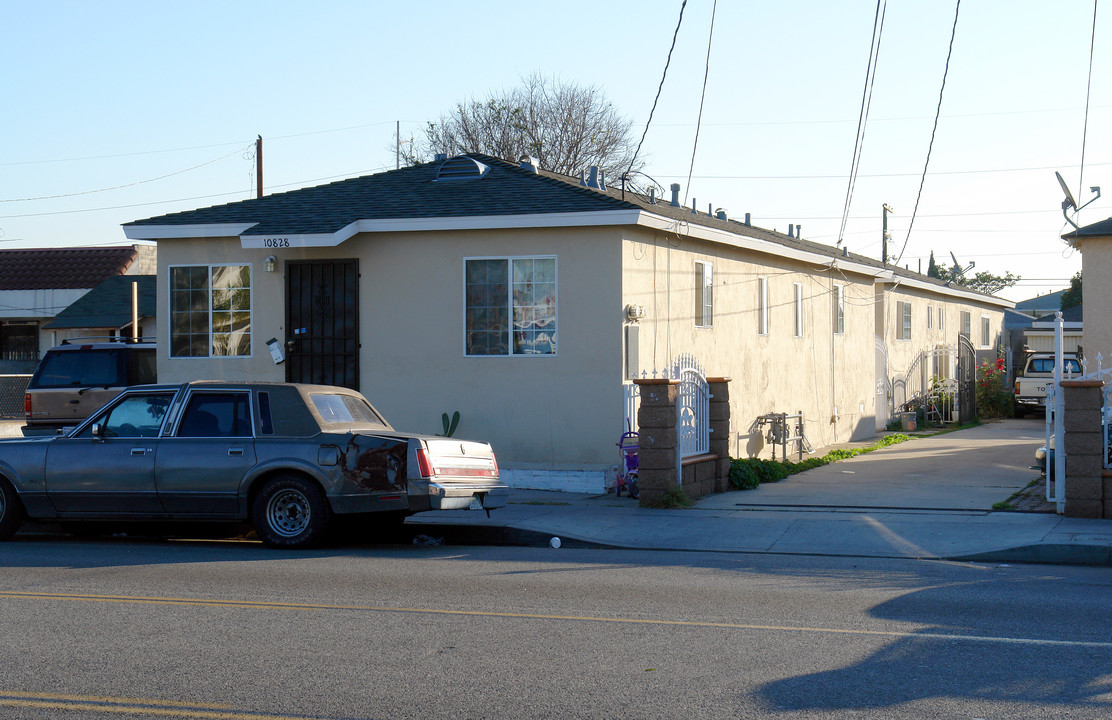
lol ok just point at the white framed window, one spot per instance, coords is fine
(704, 294)
(797, 304)
(941, 318)
(210, 311)
(986, 330)
(839, 309)
(762, 306)
(903, 311)
(930, 317)
(510, 306)
(966, 326)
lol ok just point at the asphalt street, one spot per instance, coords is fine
(126, 628)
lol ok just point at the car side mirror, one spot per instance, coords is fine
(97, 430)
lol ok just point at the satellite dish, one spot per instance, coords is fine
(1069, 202)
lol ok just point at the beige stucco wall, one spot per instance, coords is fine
(776, 372)
(1096, 268)
(543, 412)
(902, 353)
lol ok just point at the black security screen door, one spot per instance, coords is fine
(322, 322)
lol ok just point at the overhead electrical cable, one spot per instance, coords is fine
(702, 98)
(660, 87)
(863, 113)
(1088, 92)
(127, 185)
(937, 113)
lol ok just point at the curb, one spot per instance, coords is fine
(1046, 554)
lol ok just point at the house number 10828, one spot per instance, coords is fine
(276, 242)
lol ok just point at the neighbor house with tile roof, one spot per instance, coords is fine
(529, 302)
(38, 284)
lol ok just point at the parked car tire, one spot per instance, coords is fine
(290, 512)
(11, 510)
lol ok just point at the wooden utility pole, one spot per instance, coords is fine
(259, 167)
(398, 151)
(885, 235)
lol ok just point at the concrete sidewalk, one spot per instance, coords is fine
(928, 498)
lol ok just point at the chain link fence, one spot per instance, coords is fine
(12, 388)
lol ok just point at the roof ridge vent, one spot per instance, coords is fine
(461, 167)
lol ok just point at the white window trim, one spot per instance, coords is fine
(762, 306)
(963, 330)
(839, 310)
(170, 312)
(509, 280)
(903, 311)
(704, 315)
(986, 332)
(941, 318)
(797, 304)
(930, 317)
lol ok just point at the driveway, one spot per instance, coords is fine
(965, 470)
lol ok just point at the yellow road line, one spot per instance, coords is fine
(200, 602)
(131, 706)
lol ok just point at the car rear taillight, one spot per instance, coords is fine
(27, 406)
(423, 465)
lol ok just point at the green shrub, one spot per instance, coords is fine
(748, 473)
(671, 498)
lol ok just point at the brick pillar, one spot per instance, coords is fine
(657, 458)
(1084, 446)
(720, 431)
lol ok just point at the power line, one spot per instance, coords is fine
(937, 113)
(660, 87)
(885, 175)
(702, 97)
(126, 185)
(863, 114)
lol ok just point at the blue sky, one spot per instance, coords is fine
(115, 111)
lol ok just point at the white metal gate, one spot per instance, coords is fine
(692, 407)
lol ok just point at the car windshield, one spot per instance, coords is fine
(79, 368)
(1046, 365)
(347, 409)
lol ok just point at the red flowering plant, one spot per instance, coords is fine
(994, 398)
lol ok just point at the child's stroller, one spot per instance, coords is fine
(627, 465)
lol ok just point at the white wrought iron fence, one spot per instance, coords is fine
(692, 404)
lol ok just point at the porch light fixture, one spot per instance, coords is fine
(270, 264)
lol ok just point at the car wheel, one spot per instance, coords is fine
(11, 511)
(290, 512)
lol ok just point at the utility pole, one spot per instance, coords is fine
(259, 167)
(398, 147)
(885, 235)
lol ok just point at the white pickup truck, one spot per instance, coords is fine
(1038, 371)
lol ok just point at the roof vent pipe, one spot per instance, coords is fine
(845, 251)
(652, 196)
(597, 178)
(799, 231)
(747, 219)
(675, 194)
(528, 162)
(791, 231)
(441, 157)
(721, 214)
(693, 210)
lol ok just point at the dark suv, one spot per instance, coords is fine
(77, 377)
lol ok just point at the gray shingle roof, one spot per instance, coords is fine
(411, 192)
(108, 305)
(507, 189)
(1104, 227)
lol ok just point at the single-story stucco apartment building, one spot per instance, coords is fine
(528, 301)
